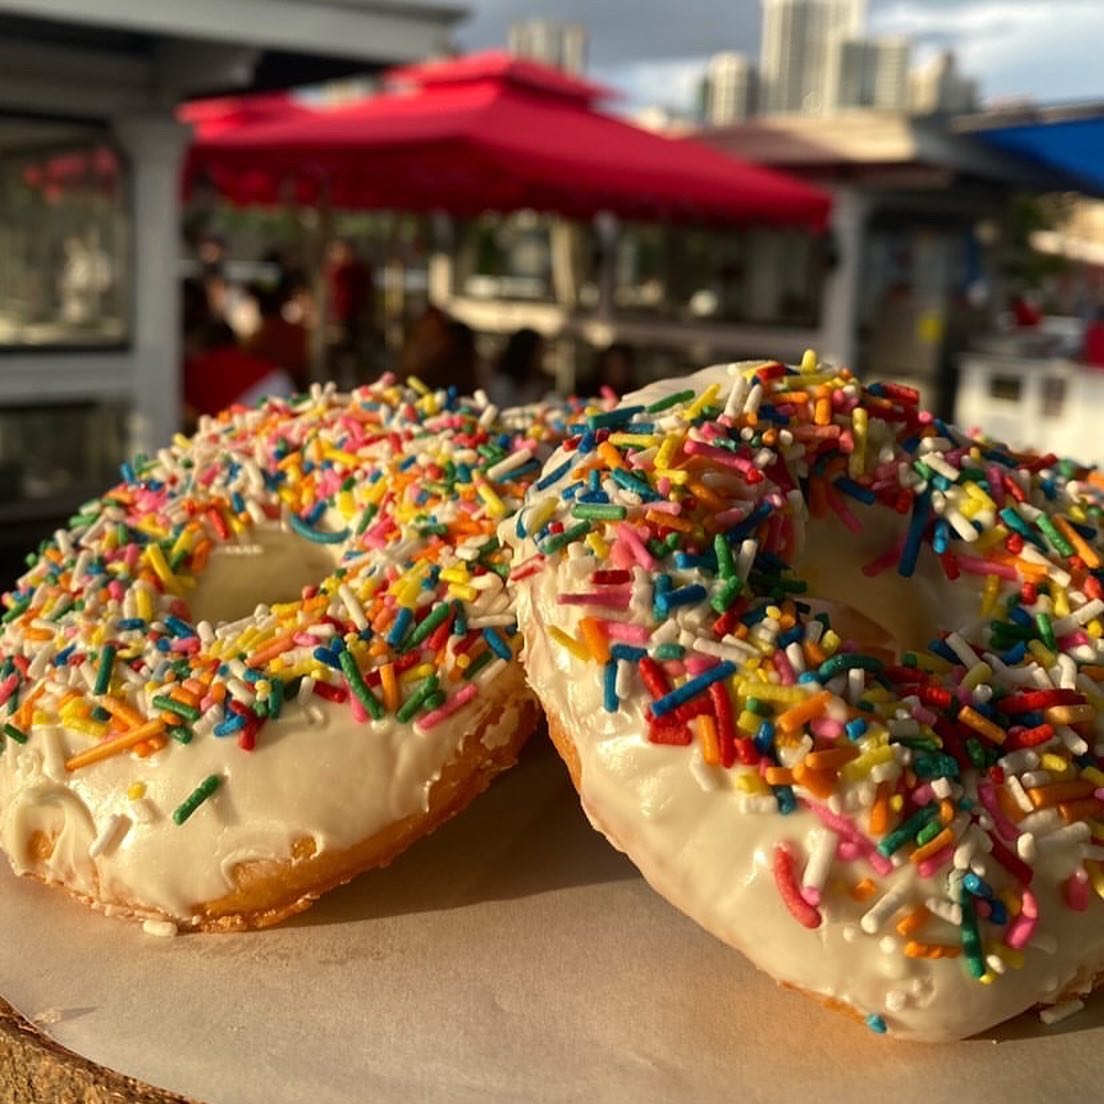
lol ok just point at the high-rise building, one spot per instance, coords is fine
(796, 46)
(563, 45)
(867, 72)
(728, 94)
(939, 87)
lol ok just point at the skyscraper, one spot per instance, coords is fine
(939, 86)
(797, 40)
(563, 45)
(729, 89)
(867, 72)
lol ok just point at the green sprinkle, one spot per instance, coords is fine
(182, 734)
(728, 593)
(103, 675)
(16, 734)
(935, 766)
(908, 830)
(568, 536)
(971, 940)
(847, 661)
(196, 798)
(478, 664)
(725, 564)
(928, 832)
(425, 689)
(366, 517)
(1046, 631)
(171, 705)
(17, 610)
(759, 708)
(359, 687)
(670, 400)
(599, 511)
(670, 651)
(1052, 534)
(441, 612)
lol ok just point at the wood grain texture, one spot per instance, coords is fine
(36, 1070)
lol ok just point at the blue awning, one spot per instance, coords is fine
(1072, 147)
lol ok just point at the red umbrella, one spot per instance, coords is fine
(221, 115)
(493, 133)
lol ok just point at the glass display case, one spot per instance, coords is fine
(64, 250)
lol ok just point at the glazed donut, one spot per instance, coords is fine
(271, 658)
(829, 672)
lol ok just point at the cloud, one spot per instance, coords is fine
(1046, 48)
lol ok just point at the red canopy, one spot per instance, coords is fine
(218, 116)
(493, 133)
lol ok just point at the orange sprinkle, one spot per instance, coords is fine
(822, 783)
(610, 455)
(594, 637)
(1044, 797)
(879, 811)
(122, 712)
(390, 687)
(707, 733)
(831, 759)
(970, 716)
(797, 716)
(915, 949)
(1069, 714)
(933, 846)
(184, 696)
(107, 748)
(864, 890)
(271, 650)
(670, 521)
(1083, 549)
(778, 776)
(911, 923)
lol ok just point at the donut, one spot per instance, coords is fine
(272, 657)
(830, 672)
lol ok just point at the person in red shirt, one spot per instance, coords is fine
(350, 289)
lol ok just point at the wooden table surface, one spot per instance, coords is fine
(36, 1070)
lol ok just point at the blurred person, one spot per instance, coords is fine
(1025, 311)
(616, 369)
(441, 352)
(1092, 345)
(350, 305)
(277, 340)
(85, 277)
(519, 376)
(218, 372)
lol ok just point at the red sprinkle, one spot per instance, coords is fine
(785, 878)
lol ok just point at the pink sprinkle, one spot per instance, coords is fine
(666, 507)
(698, 664)
(996, 485)
(932, 865)
(974, 565)
(732, 516)
(664, 485)
(187, 644)
(826, 728)
(359, 713)
(461, 698)
(811, 895)
(610, 599)
(723, 457)
(1018, 933)
(630, 536)
(845, 827)
(116, 590)
(885, 561)
(7, 687)
(923, 716)
(849, 851)
(625, 633)
(784, 668)
(922, 794)
(305, 640)
(1003, 825)
(1077, 891)
(206, 703)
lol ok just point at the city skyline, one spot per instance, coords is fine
(1042, 49)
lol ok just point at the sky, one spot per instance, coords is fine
(654, 50)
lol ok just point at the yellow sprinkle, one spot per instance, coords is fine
(143, 602)
(342, 457)
(1042, 653)
(707, 398)
(597, 545)
(979, 673)
(89, 728)
(136, 791)
(346, 504)
(417, 384)
(495, 505)
(856, 462)
(809, 361)
(1012, 958)
(675, 475)
(666, 451)
(765, 691)
(1061, 600)
(1096, 876)
(1095, 629)
(539, 514)
(1093, 775)
(156, 559)
(997, 535)
(639, 440)
(750, 782)
(861, 767)
(569, 642)
(1054, 763)
(830, 642)
(749, 722)
(990, 595)
(897, 802)
(975, 492)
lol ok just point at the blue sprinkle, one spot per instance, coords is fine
(178, 627)
(745, 528)
(399, 626)
(791, 636)
(609, 687)
(304, 530)
(876, 1024)
(589, 442)
(942, 536)
(921, 509)
(1014, 655)
(764, 738)
(232, 724)
(128, 623)
(855, 729)
(998, 914)
(314, 515)
(686, 561)
(633, 483)
(977, 886)
(324, 655)
(684, 596)
(497, 644)
(693, 688)
(237, 502)
(855, 490)
(787, 799)
(628, 652)
(127, 472)
(610, 418)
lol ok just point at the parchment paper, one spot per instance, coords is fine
(513, 956)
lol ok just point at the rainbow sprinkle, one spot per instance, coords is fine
(973, 759)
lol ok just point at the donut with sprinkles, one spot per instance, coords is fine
(831, 673)
(272, 657)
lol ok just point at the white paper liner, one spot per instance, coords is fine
(513, 956)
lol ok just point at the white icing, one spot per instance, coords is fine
(706, 850)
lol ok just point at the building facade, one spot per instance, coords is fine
(867, 73)
(561, 45)
(729, 92)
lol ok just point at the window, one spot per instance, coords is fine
(64, 271)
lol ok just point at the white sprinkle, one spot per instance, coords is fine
(821, 855)
(306, 689)
(1059, 1012)
(508, 463)
(1019, 794)
(162, 929)
(352, 604)
(110, 835)
(876, 917)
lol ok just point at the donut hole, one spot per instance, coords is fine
(274, 566)
(884, 610)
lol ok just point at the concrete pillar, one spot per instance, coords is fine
(840, 299)
(154, 145)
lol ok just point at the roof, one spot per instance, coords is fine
(1062, 139)
(857, 141)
